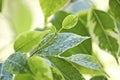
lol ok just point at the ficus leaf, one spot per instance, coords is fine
(27, 41)
(60, 43)
(67, 69)
(107, 34)
(4, 74)
(51, 6)
(17, 63)
(70, 21)
(40, 68)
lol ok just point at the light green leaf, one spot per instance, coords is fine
(50, 7)
(40, 68)
(18, 12)
(70, 21)
(16, 63)
(1, 5)
(27, 41)
(57, 75)
(87, 61)
(115, 8)
(67, 69)
(102, 27)
(26, 76)
(60, 43)
(99, 78)
(4, 74)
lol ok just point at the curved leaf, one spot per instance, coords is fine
(103, 28)
(67, 69)
(99, 78)
(69, 22)
(115, 8)
(4, 74)
(26, 76)
(16, 63)
(28, 40)
(60, 43)
(39, 68)
(50, 7)
(86, 61)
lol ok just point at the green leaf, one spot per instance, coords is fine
(102, 26)
(16, 63)
(60, 43)
(40, 68)
(85, 47)
(27, 41)
(19, 14)
(67, 69)
(1, 5)
(115, 8)
(4, 74)
(57, 75)
(58, 18)
(87, 61)
(50, 7)
(99, 78)
(69, 22)
(26, 76)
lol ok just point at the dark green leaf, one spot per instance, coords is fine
(18, 12)
(1, 5)
(57, 75)
(28, 40)
(16, 63)
(99, 78)
(26, 76)
(115, 8)
(60, 43)
(67, 69)
(50, 7)
(102, 26)
(87, 61)
(85, 47)
(69, 22)
(40, 68)
(4, 74)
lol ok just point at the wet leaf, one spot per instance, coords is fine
(67, 69)
(4, 74)
(16, 63)
(60, 43)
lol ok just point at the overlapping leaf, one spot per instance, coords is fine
(16, 63)
(4, 74)
(67, 69)
(50, 7)
(102, 26)
(99, 78)
(28, 40)
(115, 8)
(86, 61)
(60, 43)
(39, 68)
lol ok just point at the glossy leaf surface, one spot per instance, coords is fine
(69, 72)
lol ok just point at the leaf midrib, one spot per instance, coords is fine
(102, 27)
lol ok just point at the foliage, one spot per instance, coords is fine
(64, 50)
